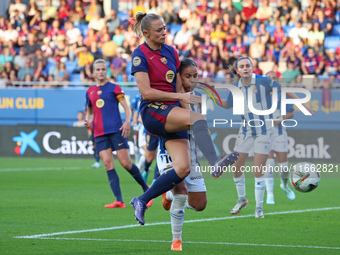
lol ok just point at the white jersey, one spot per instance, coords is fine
(194, 181)
(260, 90)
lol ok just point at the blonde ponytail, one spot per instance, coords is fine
(143, 22)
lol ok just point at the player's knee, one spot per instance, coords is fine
(127, 164)
(182, 169)
(108, 164)
(199, 205)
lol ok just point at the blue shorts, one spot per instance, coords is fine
(115, 141)
(154, 116)
(151, 141)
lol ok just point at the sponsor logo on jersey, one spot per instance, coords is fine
(169, 76)
(136, 61)
(100, 103)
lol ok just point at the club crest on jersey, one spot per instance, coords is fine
(255, 90)
(164, 61)
(169, 76)
(100, 103)
(163, 107)
(136, 61)
(99, 92)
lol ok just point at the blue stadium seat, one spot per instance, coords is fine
(70, 66)
(75, 77)
(128, 67)
(287, 29)
(332, 42)
(123, 16)
(83, 29)
(174, 29)
(323, 77)
(49, 64)
(271, 29)
(337, 17)
(336, 29)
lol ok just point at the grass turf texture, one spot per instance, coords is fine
(34, 202)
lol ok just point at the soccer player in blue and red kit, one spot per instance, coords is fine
(110, 133)
(155, 66)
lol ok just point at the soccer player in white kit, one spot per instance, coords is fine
(280, 148)
(256, 132)
(191, 193)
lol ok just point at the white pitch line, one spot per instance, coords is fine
(168, 223)
(40, 169)
(192, 242)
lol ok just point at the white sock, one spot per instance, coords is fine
(137, 154)
(259, 191)
(177, 216)
(240, 183)
(284, 173)
(141, 162)
(269, 177)
(189, 206)
(169, 196)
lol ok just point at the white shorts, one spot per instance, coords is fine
(141, 136)
(259, 144)
(280, 142)
(194, 181)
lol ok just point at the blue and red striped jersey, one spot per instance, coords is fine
(161, 65)
(104, 102)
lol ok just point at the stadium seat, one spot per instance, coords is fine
(271, 29)
(175, 28)
(128, 67)
(337, 17)
(123, 16)
(83, 29)
(70, 66)
(75, 77)
(288, 28)
(332, 42)
(336, 29)
(323, 77)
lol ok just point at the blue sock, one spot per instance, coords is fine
(156, 172)
(96, 155)
(134, 171)
(114, 184)
(147, 166)
(203, 141)
(162, 184)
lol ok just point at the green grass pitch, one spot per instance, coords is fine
(56, 206)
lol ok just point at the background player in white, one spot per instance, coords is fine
(191, 193)
(280, 147)
(257, 138)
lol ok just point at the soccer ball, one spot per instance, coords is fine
(305, 177)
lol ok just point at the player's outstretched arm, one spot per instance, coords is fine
(294, 96)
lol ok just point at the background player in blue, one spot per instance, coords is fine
(155, 66)
(250, 138)
(280, 147)
(109, 131)
(135, 102)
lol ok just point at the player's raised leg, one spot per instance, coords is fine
(179, 152)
